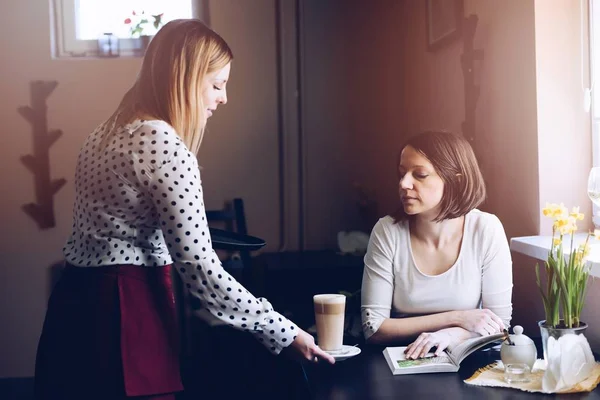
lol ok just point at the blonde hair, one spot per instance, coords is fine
(170, 82)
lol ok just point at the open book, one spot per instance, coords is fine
(448, 361)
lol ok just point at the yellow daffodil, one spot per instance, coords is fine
(560, 222)
(564, 291)
(561, 211)
(552, 210)
(566, 225)
(567, 229)
(576, 214)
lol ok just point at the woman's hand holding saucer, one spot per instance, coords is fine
(303, 348)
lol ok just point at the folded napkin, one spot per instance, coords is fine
(353, 242)
(570, 361)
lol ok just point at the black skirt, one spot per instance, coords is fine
(109, 333)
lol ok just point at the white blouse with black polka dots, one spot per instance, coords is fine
(139, 201)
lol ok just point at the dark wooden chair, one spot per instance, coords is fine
(233, 218)
(237, 263)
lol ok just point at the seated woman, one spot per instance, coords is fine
(439, 270)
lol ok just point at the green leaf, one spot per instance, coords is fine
(544, 298)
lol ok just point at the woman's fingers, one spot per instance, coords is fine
(495, 327)
(319, 354)
(488, 325)
(421, 346)
(414, 348)
(428, 340)
(485, 329)
(440, 348)
(425, 349)
(499, 322)
(425, 342)
(409, 349)
(495, 321)
(478, 320)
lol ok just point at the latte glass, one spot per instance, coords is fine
(329, 316)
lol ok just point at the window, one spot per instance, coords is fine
(79, 23)
(594, 43)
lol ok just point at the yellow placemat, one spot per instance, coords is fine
(493, 375)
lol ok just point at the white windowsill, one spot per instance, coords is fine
(539, 246)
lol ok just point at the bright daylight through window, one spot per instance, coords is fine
(594, 12)
(594, 45)
(79, 23)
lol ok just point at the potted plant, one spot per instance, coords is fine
(565, 287)
(142, 28)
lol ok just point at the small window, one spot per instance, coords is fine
(79, 23)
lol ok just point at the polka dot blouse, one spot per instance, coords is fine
(139, 201)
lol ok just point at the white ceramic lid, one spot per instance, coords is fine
(518, 338)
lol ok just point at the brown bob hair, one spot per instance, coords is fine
(454, 161)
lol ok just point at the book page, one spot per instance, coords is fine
(458, 352)
(399, 364)
(429, 359)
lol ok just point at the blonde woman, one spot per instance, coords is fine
(110, 330)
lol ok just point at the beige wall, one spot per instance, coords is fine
(529, 118)
(564, 138)
(327, 102)
(407, 89)
(239, 152)
(368, 84)
(507, 119)
(563, 125)
(87, 92)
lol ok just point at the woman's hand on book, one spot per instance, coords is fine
(303, 348)
(481, 321)
(426, 341)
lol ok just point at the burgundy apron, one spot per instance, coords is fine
(110, 333)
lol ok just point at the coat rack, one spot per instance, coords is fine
(42, 211)
(472, 90)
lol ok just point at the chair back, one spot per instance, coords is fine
(232, 218)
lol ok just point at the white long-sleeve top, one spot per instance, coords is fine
(139, 201)
(393, 286)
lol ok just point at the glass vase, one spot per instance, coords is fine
(549, 331)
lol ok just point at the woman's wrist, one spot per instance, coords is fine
(456, 318)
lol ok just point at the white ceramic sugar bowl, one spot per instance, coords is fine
(521, 351)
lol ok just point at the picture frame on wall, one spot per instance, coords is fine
(444, 22)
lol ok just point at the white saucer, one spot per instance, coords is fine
(345, 353)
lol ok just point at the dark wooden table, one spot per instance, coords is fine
(368, 377)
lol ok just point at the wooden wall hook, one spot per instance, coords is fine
(42, 211)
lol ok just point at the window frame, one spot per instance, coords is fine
(594, 33)
(66, 45)
(594, 37)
